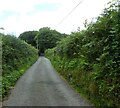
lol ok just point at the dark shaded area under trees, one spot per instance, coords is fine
(43, 39)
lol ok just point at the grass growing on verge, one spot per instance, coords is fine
(17, 57)
(90, 59)
(9, 80)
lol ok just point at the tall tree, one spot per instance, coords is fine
(29, 37)
(47, 38)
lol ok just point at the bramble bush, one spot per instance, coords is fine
(17, 56)
(90, 59)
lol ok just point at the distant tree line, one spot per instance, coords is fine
(43, 39)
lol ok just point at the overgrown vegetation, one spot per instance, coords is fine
(90, 59)
(17, 56)
(19, 53)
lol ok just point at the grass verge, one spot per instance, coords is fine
(9, 80)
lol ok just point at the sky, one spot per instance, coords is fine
(17, 16)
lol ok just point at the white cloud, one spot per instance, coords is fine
(28, 17)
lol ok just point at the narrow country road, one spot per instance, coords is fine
(42, 86)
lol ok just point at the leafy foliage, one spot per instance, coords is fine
(47, 38)
(90, 59)
(17, 56)
(29, 37)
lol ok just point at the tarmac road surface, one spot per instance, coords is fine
(42, 86)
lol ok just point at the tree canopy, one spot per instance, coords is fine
(47, 38)
(29, 37)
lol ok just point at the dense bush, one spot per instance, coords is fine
(90, 59)
(17, 56)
